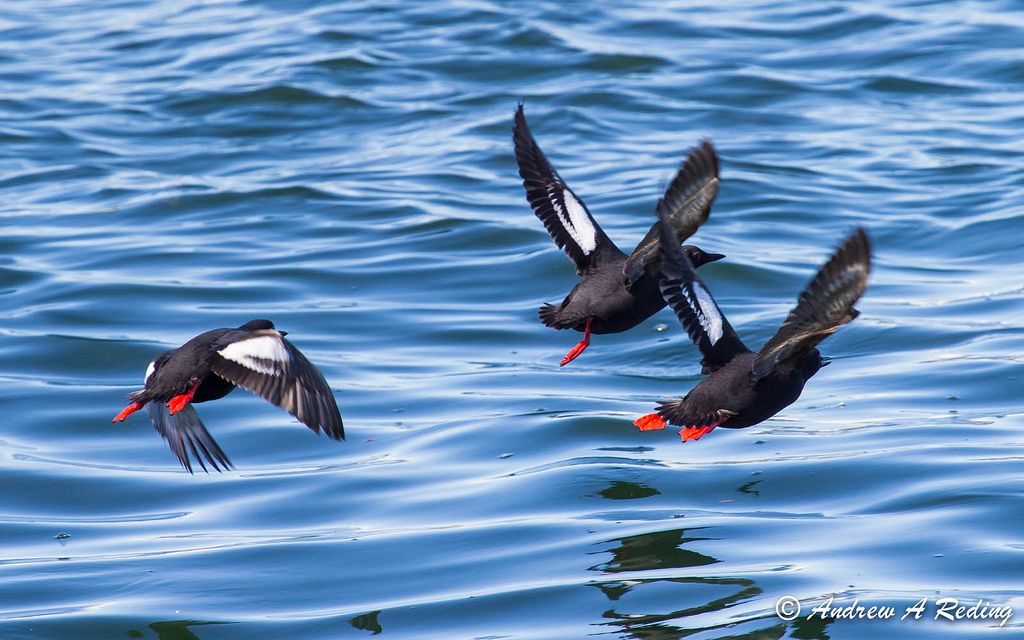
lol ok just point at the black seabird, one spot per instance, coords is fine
(743, 388)
(617, 292)
(255, 356)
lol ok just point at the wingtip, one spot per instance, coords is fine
(706, 152)
(529, 157)
(856, 248)
(673, 258)
(336, 432)
(864, 239)
(519, 120)
(859, 239)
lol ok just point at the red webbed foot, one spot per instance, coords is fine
(127, 411)
(578, 349)
(694, 433)
(649, 422)
(177, 403)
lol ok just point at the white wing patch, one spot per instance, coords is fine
(149, 371)
(255, 353)
(574, 219)
(706, 311)
(710, 318)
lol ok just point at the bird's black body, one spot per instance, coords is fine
(176, 370)
(208, 367)
(616, 291)
(743, 388)
(603, 298)
(732, 394)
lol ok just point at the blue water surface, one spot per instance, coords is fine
(346, 170)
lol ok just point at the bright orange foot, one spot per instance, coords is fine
(177, 403)
(694, 433)
(578, 349)
(127, 411)
(649, 422)
(569, 357)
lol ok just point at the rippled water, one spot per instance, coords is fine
(347, 171)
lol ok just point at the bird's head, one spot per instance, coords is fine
(813, 362)
(700, 257)
(258, 325)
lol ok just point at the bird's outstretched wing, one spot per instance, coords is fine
(684, 291)
(265, 363)
(686, 204)
(564, 215)
(823, 306)
(185, 433)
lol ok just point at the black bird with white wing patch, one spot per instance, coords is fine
(743, 388)
(255, 356)
(616, 292)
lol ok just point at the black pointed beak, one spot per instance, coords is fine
(825, 361)
(283, 333)
(711, 257)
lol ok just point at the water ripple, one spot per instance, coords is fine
(347, 170)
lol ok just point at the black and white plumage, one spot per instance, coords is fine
(564, 215)
(743, 388)
(255, 356)
(616, 291)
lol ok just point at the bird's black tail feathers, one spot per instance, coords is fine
(185, 432)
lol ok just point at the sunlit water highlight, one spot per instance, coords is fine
(346, 170)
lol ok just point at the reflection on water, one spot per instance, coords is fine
(654, 595)
(173, 630)
(621, 490)
(347, 170)
(660, 551)
(749, 488)
(691, 590)
(651, 551)
(367, 622)
(806, 629)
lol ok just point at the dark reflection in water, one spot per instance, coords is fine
(807, 629)
(173, 629)
(653, 625)
(367, 622)
(657, 550)
(677, 599)
(749, 488)
(628, 491)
